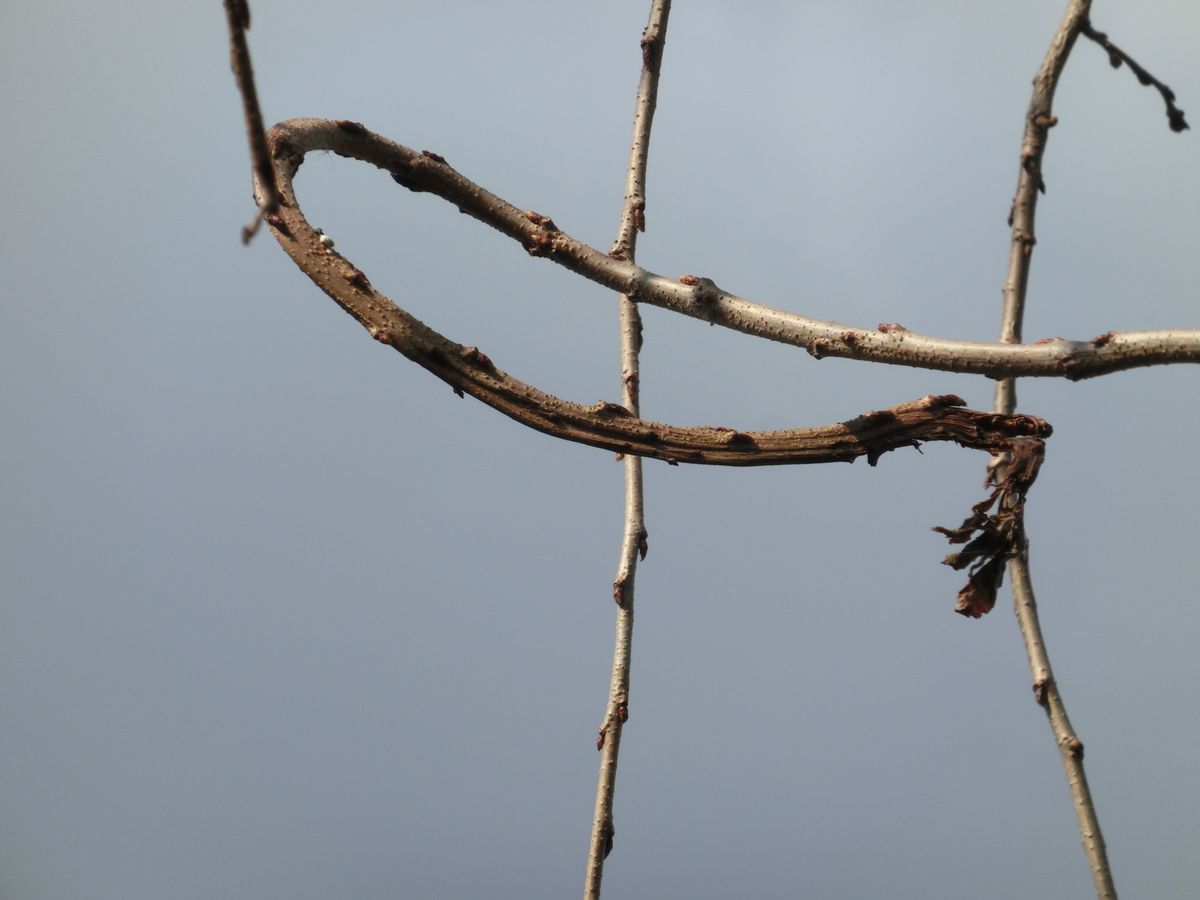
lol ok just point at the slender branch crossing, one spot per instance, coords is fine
(700, 298)
(1016, 441)
(633, 539)
(1038, 122)
(611, 426)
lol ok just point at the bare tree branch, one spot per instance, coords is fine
(1038, 122)
(633, 541)
(609, 425)
(1117, 56)
(238, 14)
(1070, 747)
(702, 299)
(992, 538)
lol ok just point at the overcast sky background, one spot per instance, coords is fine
(283, 617)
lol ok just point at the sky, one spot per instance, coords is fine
(283, 617)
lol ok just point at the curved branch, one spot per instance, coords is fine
(609, 425)
(700, 297)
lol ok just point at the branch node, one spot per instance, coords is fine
(608, 834)
(478, 357)
(1040, 689)
(542, 243)
(638, 208)
(357, 278)
(739, 437)
(539, 220)
(608, 409)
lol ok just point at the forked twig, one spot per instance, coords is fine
(1038, 122)
(633, 540)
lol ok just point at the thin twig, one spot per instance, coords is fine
(1038, 122)
(633, 541)
(238, 14)
(702, 299)
(1117, 56)
(1070, 747)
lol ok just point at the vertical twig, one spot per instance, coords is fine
(1045, 690)
(238, 14)
(633, 542)
(1038, 122)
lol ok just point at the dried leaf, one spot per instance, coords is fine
(993, 538)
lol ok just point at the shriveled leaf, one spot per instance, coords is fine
(978, 596)
(993, 538)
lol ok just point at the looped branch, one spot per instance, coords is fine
(606, 425)
(701, 299)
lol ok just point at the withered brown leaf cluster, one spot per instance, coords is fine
(994, 537)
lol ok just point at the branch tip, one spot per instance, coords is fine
(1116, 57)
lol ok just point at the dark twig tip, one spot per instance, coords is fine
(1117, 56)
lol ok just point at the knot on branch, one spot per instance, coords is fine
(543, 240)
(413, 173)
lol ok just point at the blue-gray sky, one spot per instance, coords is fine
(283, 617)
